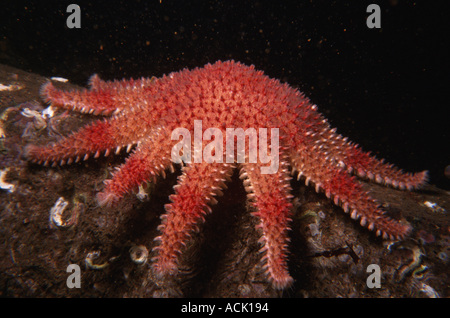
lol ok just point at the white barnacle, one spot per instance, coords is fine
(429, 204)
(39, 120)
(49, 112)
(10, 87)
(89, 260)
(139, 254)
(5, 185)
(59, 79)
(429, 291)
(434, 207)
(56, 213)
(59, 219)
(142, 195)
(29, 113)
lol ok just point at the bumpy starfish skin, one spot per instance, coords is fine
(144, 112)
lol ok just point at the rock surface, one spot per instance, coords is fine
(330, 253)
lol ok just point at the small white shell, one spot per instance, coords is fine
(59, 79)
(56, 212)
(57, 220)
(89, 260)
(4, 185)
(49, 112)
(40, 122)
(9, 87)
(139, 254)
(142, 195)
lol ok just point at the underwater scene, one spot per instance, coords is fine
(213, 150)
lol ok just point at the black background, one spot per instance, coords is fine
(384, 88)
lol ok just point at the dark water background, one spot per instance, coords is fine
(386, 89)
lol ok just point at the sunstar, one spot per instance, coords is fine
(224, 95)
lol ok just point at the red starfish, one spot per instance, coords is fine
(225, 94)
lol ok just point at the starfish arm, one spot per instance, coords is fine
(350, 156)
(194, 192)
(97, 102)
(270, 196)
(346, 192)
(366, 166)
(120, 87)
(150, 159)
(103, 98)
(100, 136)
(88, 140)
